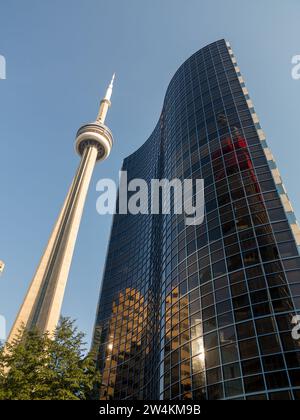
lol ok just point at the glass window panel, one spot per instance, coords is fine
(215, 392)
(292, 359)
(295, 377)
(265, 325)
(251, 367)
(280, 396)
(225, 319)
(254, 383)
(245, 330)
(274, 362)
(229, 353)
(231, 371)
(248, 349)
(211, 340)
(269, 344)
(233, 388)
(277, 380)
(212, 358)
(222, 294)
(227, 335)
(243, 314)
(213, 376)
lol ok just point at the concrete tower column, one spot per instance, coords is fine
(42, 304)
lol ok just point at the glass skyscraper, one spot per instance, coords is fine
(204, 312)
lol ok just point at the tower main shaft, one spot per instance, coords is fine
(42, 304)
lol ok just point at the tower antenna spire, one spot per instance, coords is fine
(106, 102)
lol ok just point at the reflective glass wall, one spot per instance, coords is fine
(204, 312)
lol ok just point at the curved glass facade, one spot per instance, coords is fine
(204, 312)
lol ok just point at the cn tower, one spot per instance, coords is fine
(42, 304)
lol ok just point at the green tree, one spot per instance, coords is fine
(37, 367)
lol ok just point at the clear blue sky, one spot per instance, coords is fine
(60, 56)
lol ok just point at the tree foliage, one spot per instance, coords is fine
(37, 367)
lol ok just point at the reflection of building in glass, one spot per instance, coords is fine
(122, 352)
(213, 303)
